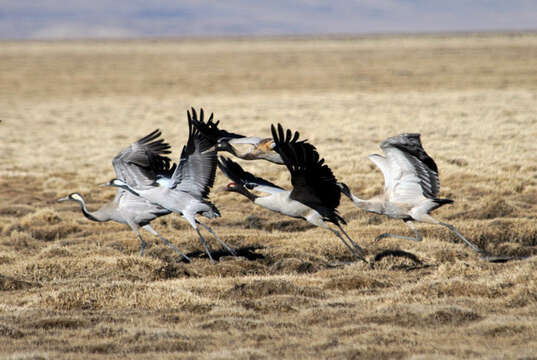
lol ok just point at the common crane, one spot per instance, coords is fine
(256, 147)
(410, 186)
(315, 195)
(186, 191)
(132, 166)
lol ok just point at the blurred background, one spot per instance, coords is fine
(61, 19)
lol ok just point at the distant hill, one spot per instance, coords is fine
(57, 19)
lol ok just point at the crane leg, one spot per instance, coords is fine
(135, 228)
(356, 246)
(353, 250)
(143, 244)
(194, 223)
(205, 246)
(150, 229)
(227, 247)
(409, 224)
(459, 235)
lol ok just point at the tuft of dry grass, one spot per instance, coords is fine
(72, 288)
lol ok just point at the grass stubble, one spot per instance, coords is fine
(71, 288)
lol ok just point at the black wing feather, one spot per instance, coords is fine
(237, 174)
(411, 144)
(210, 128)
(314, 184)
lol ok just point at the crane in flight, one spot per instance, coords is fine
(132, 165)
(243, 147)
(315, 195)
(411, 186)
(186, 191)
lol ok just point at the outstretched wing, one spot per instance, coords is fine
(197, 165)
(409, 172)
(314, 184)
(139, 163)
(237, 174)
(210, 129)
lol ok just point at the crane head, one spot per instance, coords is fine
(73, 197)
(116, 183)
(120, 184)
(232, 186)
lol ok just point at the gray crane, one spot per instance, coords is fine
(256, 147)
(133, 167)
(315, 195)
(410, 187)
(186, 191)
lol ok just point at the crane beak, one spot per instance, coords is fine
(62, 199)
(226, 188)
(104, 184)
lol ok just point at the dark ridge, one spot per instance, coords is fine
(247, 252)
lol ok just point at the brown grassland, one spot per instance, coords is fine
(72, 288)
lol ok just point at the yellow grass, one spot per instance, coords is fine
(71, 288)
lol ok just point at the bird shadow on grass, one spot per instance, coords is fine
(397, 253)
(420, 265)
(247, 252)
(500, 259)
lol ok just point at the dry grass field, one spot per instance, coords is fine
(72, 288)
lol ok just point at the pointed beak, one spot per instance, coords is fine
(62, 199)
(104, 184)
(227, 187)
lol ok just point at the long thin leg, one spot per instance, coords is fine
(356, 246)
(459, 235)
(347, 244)
(204, 243)
(166, 241)
(135, 228)
(194, 223)
(228, 248)
(409, 224)
(143, 244)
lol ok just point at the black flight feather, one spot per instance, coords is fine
(237, 174)
(314, 184)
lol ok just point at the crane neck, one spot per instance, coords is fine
(242, 190)
(94, 216)
(130, 189)
(274, 157)
(374, 204)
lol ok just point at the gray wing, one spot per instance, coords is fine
(138, 163)
(196, 170)
(409, 172)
